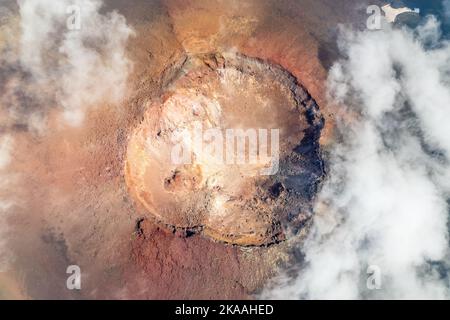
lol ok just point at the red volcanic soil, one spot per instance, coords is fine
(180, 267)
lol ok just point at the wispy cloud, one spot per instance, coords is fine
(68, 68)
(385, 202)
(45, 66)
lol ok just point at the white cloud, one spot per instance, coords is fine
(385, 199)
(85, 66)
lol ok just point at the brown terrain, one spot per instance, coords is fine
(138, 228)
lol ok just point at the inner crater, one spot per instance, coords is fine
(229, 150)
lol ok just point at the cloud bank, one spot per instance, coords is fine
(385, 204)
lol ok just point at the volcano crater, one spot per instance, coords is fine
(237, 201)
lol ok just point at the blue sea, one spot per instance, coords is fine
(434, 7)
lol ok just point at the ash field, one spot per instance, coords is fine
(353, 96)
